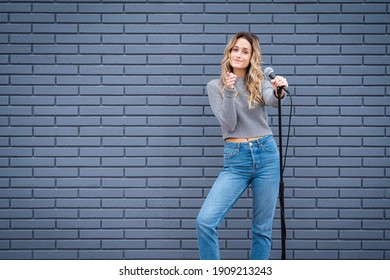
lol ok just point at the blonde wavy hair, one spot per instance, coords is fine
(254, 74)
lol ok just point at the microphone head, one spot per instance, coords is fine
(269, 72)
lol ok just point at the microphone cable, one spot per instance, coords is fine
(288, 132)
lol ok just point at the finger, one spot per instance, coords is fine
(281, 83)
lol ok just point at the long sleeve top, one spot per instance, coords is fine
(233, 113)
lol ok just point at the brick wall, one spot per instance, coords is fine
(109, 147)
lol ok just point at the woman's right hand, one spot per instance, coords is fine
(230, 80)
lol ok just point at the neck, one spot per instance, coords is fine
(240, 73)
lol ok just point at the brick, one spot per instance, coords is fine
(203, 18)
(38, 224)
(123, 141)
(75, 224)
(363, 8)
(101, 213)
(339, 224)
(363, 29)
(162, 172)
(271, 7)
(99, 193)
(32, 141)
(163, 131)
(376, 203)
(56, 255)
(375, 224)
(36, 244)
(101, 234)
(339, 203)
(162, 193)
(78, 244)
(232, 18)
(337, 121)
(56, 193)
(356, 214)
(100, 28)
(158, 234)
(96, 8)
(123, 18)
(361, 234)
(222, 8)
(163, 8)
(12, 172)
(20, 39)
(16, 28)
(12, 8)
(123, 223)
(369, 151)
(155, 244)
(32, 203)
(376, 193)
(123, 244)
(41, 7)
(164, 182)
(101, 131)
(318, 8)
(319, 214)
(164, 28)
(339, 245)
(317, 152)
(103, 172)
(16, 255)
(348, 162)
(77, 203)
(161, 254)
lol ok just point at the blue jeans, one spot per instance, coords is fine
(253, 163)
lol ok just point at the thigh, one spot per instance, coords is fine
(224, 193)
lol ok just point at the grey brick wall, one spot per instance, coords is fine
(109, 147)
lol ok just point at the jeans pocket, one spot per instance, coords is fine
(270, 146)
(229, 152)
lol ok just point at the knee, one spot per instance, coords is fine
(200, 221)
(204, 221)
(264, 230)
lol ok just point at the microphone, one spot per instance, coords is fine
(268, 71)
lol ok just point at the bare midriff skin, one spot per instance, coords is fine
(240, 140)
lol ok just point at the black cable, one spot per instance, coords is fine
(281, 184)
(288, 133)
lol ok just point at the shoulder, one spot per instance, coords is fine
(214, 86)
(215, 83)
(266, 84)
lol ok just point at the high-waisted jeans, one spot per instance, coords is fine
(254, 163)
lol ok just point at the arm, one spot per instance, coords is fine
(270, 95)
(223, 107)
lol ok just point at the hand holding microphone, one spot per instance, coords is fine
(230, 80)
(276, 81)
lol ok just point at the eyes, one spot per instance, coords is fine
(236, 50)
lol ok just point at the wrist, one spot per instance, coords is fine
(281, 95)
(229, 91)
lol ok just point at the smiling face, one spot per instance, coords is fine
(240, 56)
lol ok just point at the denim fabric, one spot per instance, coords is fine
(254, 163)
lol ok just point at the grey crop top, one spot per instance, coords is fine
(233, 113)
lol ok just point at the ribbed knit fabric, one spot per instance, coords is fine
(233, 113)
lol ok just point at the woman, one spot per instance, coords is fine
(239, 101)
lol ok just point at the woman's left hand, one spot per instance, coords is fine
(279, 81)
